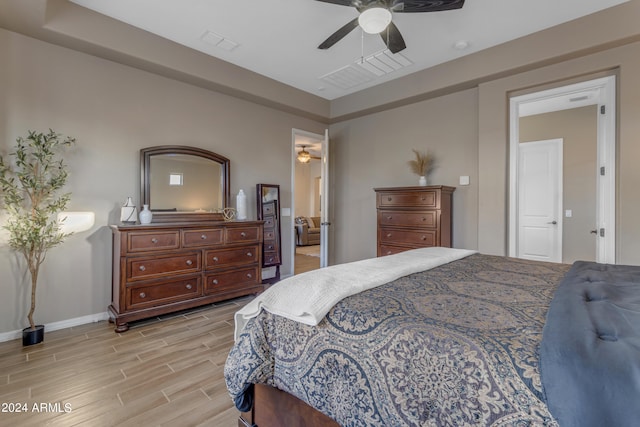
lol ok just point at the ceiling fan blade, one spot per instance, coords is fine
(393, 38)
(338, 35)
(427, 5)
(339, 2)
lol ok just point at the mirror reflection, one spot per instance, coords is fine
(185, 183)
(181, 183)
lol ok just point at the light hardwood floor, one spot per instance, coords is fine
(164, 371)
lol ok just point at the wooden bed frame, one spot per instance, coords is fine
(276, 408)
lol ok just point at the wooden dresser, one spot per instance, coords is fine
(161, 268)
(413, 217)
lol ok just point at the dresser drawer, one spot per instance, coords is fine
(145, 241)
(270, 236)
(423, 199)
(422, 238)
(269, 222)
(270, 258)
(390, 250)
(149, 295)
(243, 234)
(230, 257)
(230, 280)
(204, 237)
(408, 219)
(268, 209)
(142, 268)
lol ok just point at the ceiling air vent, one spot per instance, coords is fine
(366, 69)
(218, 41)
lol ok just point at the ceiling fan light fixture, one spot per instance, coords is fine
(374, 20)
(304, 156)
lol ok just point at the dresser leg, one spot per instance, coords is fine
(124, 327)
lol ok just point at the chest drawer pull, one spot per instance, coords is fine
(243, 234)
(214, 281)
(203, 237)
(215, 259)
(424, 237)
(189, 286)
(389, 217)
(154, 240)
(142, 268)
(249, 276)
(143, 295)
(389, 198)
(249, 254)
(189, 262)
(389, 234)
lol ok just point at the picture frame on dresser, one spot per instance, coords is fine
(268, 210)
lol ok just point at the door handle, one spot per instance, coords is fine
(553, 222)
(594, 231)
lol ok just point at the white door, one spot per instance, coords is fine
(540, 200)
(324, 202)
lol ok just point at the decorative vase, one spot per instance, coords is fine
(33, 336)
(241, 205)
(422, 182)
(128, 212)
(145, 215)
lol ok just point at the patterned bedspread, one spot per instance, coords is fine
(456, 345)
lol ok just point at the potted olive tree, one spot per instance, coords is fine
(31, 183)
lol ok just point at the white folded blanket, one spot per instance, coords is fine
(309, 296)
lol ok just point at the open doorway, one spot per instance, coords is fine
(309, 199)
(580, 218)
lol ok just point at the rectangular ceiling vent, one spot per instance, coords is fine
(384, 62)
(366, 69)
(218, 41)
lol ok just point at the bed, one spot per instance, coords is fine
(457, 343)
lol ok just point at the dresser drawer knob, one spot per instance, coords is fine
(215, 259)
(423, 198)
(189, 262)
(388, 234)
(249, 275)
(243, 234)
(142, 268)
(214, 281)
(424, 237)
(389, 198)
(389, 217)
(249, 254)
(424, 218)
(203, 237)
(189, 286)
(154, 240)
(143, 295)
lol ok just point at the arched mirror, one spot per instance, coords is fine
(181, 183)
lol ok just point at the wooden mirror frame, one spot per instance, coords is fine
(145, 182)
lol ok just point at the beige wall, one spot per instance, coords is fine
(578, 129)
(373, 151)
(493, 144)
(114, 111)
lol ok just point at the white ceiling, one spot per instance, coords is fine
(279, 38)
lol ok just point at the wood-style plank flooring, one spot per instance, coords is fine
(162, 372)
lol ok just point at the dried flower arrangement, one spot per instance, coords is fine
(422, 164)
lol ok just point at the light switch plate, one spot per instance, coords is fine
(285, 211)
(464, 180)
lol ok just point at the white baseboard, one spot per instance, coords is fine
(48, 327)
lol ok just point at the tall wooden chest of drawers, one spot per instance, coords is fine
(161, 268)
(413, 217)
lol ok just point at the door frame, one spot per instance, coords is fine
(324, 240)
(604, 89)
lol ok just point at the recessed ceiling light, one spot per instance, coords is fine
(461, 44)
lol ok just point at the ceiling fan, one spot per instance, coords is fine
(375, 18)
(303, 155)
